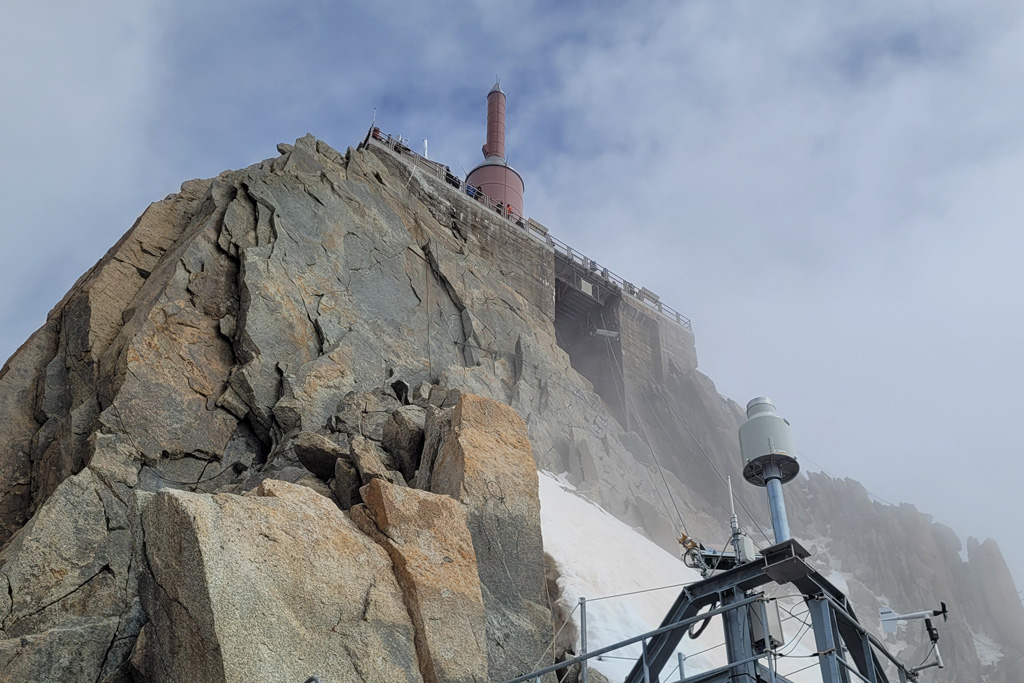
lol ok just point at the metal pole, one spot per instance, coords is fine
(682, 675)
(776, 503)
(850, 669)
(738, 645)
(869, 658)
(825, 639)
(713, 674)
(583, 639)
(841, 650)
(643, 655)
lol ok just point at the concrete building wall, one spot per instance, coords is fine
(654, 349)
(641, 348)
(527, 264)
(678, 352)
(654, 346)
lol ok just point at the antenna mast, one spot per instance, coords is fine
(734, 521)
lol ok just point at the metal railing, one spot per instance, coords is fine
(648, 299)
(641, 294)
(443, 173)
(642, 639)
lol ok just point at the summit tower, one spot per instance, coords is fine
(493, 176)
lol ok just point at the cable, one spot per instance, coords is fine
(700, 563)
(721, 476)
(811, 460)
(707, 649)
(237, 467)
(694, 635)
(793, 616)
(800, 635)
(644, 590)
(654, 485)
(643, 429)
(567, 621)
(790, 673)
(926, 657)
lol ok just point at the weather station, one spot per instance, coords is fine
(733, 587)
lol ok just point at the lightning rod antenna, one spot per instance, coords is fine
(734, 521)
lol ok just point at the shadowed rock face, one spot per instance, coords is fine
(325, 320)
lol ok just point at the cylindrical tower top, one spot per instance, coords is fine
(495, 145)
(766, 444)
(761, 404)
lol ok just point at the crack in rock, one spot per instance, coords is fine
(105, 569)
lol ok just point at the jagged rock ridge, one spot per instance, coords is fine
(321, 320)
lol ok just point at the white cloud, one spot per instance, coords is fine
(75, 83)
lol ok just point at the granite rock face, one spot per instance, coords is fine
(273, 352)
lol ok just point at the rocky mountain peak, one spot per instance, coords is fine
(290, 425)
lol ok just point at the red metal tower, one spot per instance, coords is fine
(494, 177)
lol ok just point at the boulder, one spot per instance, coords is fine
(58, 654)
(279, 585)
(346, 483)
(62, 580)
(426, 536)
(403, 438)
(364, 413)
(317, 453)
(437, 423)
(443, 397)
(574, 675)
(369, 460)
(487, 463)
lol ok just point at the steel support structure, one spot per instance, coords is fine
(739, 645)
(836, 629)
(730, 595)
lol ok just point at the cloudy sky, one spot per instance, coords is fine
(832, 191)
